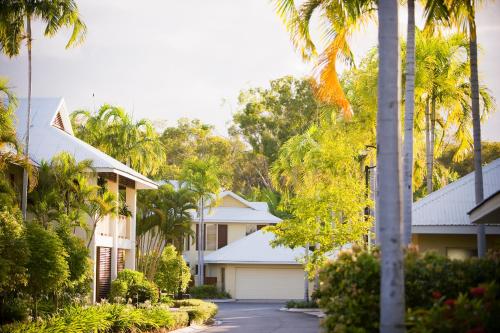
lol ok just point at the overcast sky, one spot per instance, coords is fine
(167, 59)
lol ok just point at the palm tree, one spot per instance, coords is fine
(389, 180)
(203, 178)
(408, 123)
(340, 19)
(97, 207)
(164, 218)
(56, 14)
(112, 130)
(462, 14)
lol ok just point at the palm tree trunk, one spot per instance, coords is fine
(408, 136)
(389, 177)
(476, 130)
(428, 146)
(200, 243)
(306, 275)
(24, 196)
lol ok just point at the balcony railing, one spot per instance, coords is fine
(123, 227)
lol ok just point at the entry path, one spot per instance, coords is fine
(262, 318)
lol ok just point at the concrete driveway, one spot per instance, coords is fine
(262, 318)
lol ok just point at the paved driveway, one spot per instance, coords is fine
(262, 318)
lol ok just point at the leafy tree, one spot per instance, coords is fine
(173, 274)
(267, 118)
(164, 217)
(112, 130)
(100, 204)
(56, 15)
(47, 266)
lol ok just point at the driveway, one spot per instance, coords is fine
(262, 318)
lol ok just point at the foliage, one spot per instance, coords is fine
(301, 304)
(199, 311)
(132, 285)
(473, 311)
(490, 151)
(350, 285)
(173, 274)
(163, 218)
(207, 292)
(112, 130)
(47, 265)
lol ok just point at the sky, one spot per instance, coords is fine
(165, 59)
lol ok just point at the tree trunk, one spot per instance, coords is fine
(24, 196)
(476, 130)
(408, 123)
(428, 147)
(306, 275)
(200, 243)
(389, 177)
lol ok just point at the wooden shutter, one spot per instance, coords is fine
(103, 273)
(221, 235)
(120, 263)
(205, 234)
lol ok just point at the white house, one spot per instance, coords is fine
(113, 246)
(238, 256)
(441, 222)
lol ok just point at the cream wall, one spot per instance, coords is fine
(440, 243)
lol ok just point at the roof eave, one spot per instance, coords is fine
(142, 184)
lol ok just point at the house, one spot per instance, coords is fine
(238, 256)
(250, 268)
(113, 246)
(441, 221)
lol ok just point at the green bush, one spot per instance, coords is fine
(207, 292)
(173, 274)
(132, 285)
(350, 286)
(301, 304)
(199, 311)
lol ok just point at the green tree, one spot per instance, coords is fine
(203, 178)
(112, 130)
(98, 205)
(56, 15)
(164, 217)
(47, 266)
(173, 274)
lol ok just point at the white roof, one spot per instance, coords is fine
(255, 249)
(46, 140)
(254, 212)
(449, 205)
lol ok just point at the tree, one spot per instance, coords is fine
(56, 15)
(164, 217)
(112, 130)
(47, 265)
(389, 178)
(100, 204)
(203, 178)
(173, 274)
(408, 123)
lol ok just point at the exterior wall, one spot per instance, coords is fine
(290, 277)
(229, 201)
(449, 244)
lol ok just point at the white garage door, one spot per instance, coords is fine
(269, 283)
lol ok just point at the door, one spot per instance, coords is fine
(269, 283)
(103, 273)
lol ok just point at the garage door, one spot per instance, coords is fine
(269, 283)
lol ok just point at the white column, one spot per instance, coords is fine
(114, 187)
(93, 284)
(132, 221)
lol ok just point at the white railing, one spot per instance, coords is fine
(123, 227)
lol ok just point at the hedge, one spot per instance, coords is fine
(350, 285)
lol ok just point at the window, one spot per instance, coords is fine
(221, 235)
(187, 243)
(251, 228)
(211, 236)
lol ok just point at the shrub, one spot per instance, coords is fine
(133, 285)
(173, 274)
(199, 311)
(207, 292)
(301, 304)
(181, 319)
(349, 292)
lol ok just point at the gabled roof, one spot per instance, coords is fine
(255, 249)
(247, 212)
(48, 140)
(449, 205)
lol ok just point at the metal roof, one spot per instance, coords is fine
(449, 205)
(46, 140)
